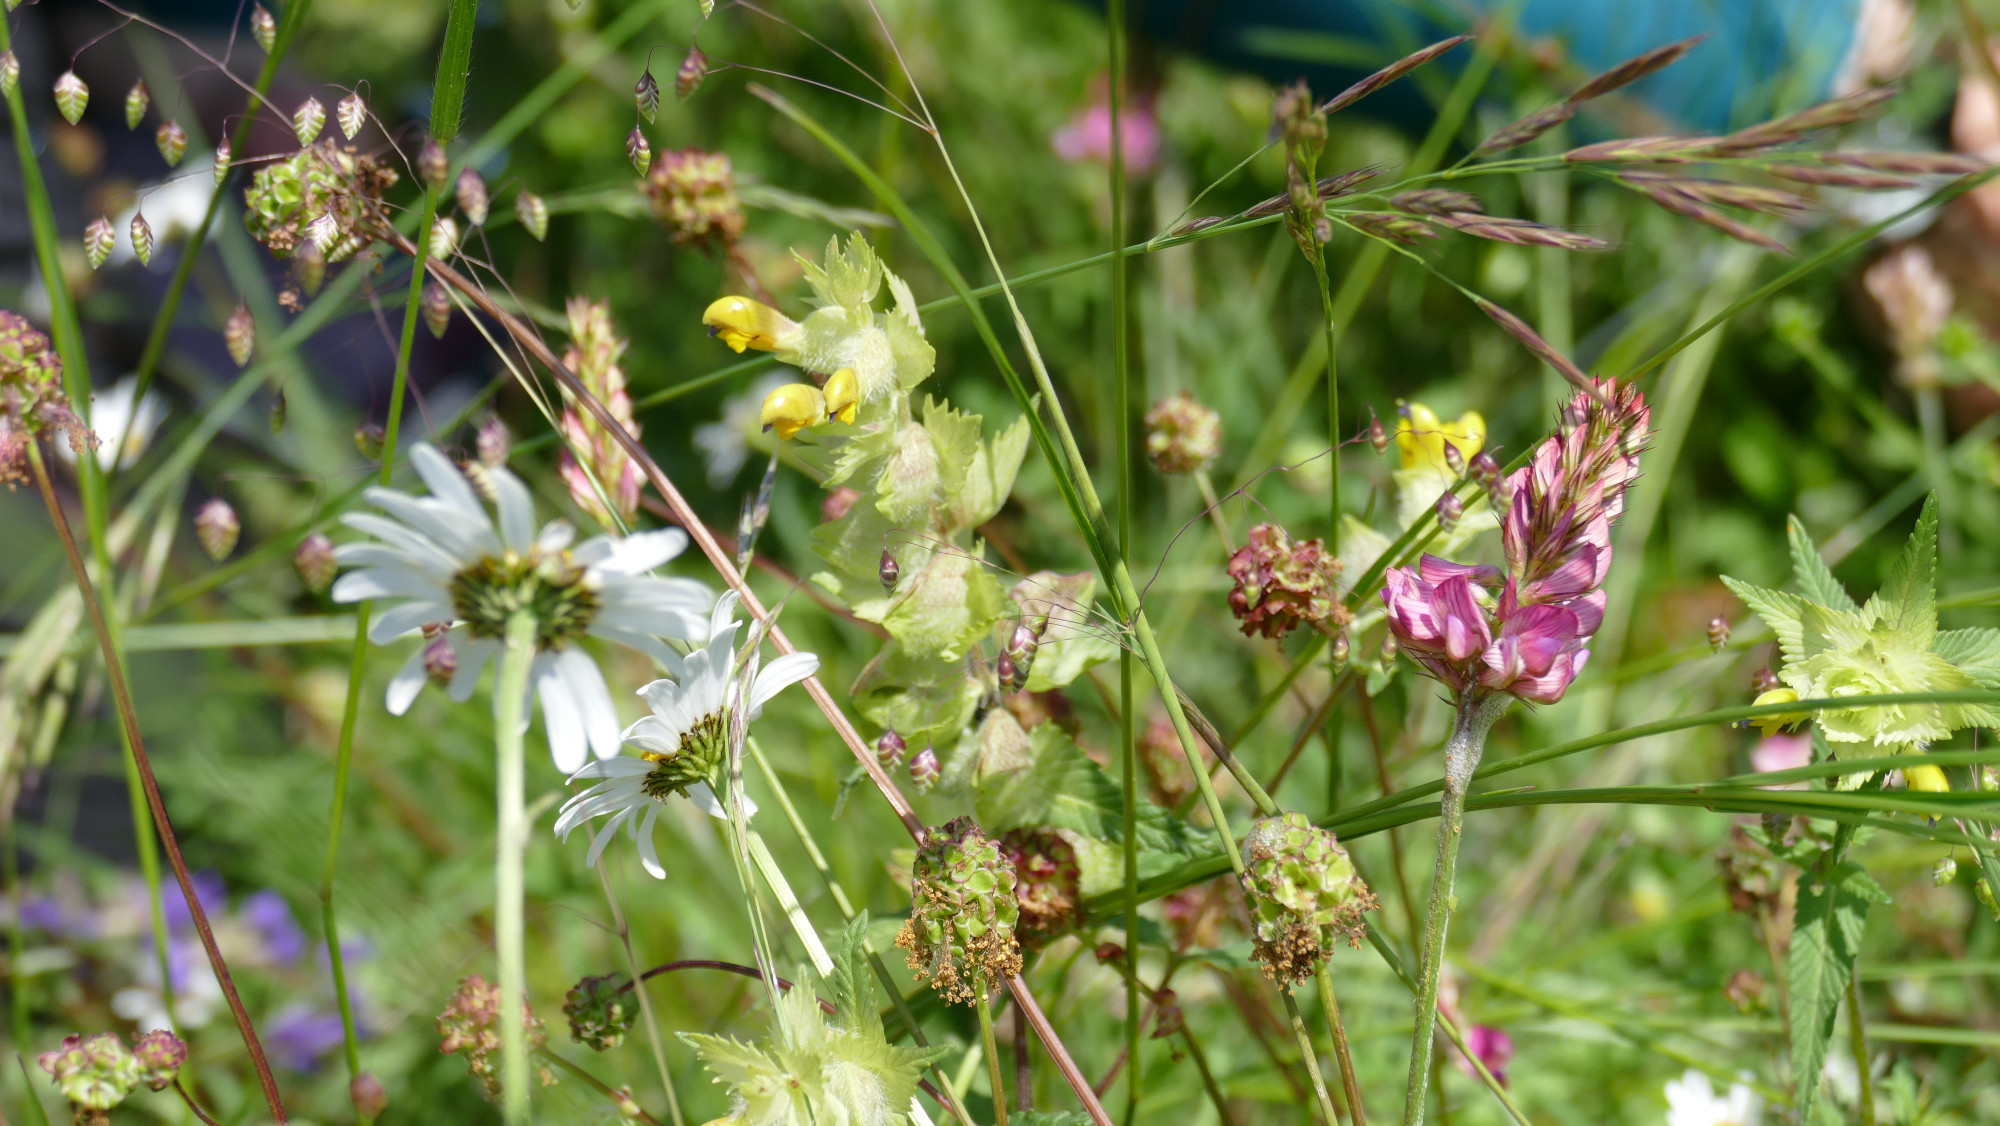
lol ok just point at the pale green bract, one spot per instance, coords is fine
(1889, 645)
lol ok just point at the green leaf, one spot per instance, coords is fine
(1779, 610)
(454, 64)
(1049, 781)
(1826, 937)
(1815, 579)
(851, 279)
(1908, 598)
(1975, 651)
(853, 984)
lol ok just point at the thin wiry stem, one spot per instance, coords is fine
(1337, 1028)
(653, 1038)
(128, 719)
(1310, 1054)
(594, 1083)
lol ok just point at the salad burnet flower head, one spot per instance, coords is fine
(445, 566)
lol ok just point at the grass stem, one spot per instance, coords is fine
(993, 1069)
(510, 699)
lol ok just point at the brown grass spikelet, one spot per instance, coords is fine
(1389, 74)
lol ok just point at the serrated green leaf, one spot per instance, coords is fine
(1815, 579)
(1975, 651)
(853, 985)
(1826, 937)
(949, 603)
(1907, 601)
(928, 702)
(1779, 610)
(1050, 781)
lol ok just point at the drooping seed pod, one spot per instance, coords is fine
(436, 308)
(693, 69)
(308, 120)
(1984, 892)
(638, 150)
(240, 333)
(314, 561)
(368, 1096)
(217, 527)
(960, 933)
(98, 241)
(280, 411)
(1449, 507)
(444, 237)
(493, 443)
(1108, 954)
(222, 158)
(368, 439)
(647, 94)
(142, 239)
(601, 1011)
(1010, 675)
(263, 28)
(924, 770)
(1378, 435)
(472, 198)
(1764, 680)
(1718, 633)
(136, 101)
(889, 570)
(71, 96)
(10, 74)
(533, 214)
(1944, 871)
(1341, 648)
(889, 747)
(440, 659)
(352, 114)
(172, 141)
(1303, 894)
(433, 165)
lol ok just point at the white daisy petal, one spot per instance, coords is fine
(636, 554)
(654, 734)
(706, 801)
(605, 836)
(648, 856)
(599, 717)
(780, 674)
(724, 614)
(562, 719)
(384, 582)
(555, 536)
(472, 658)
(445, 481)
(416, 548)
(399, 620)
(408, 681)
(646, 643)
(517, 511)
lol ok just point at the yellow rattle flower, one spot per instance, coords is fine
(1772, 724)
(792, 408)
(843, 395)
(743, 323)
(1926, 779)
(1421, 435)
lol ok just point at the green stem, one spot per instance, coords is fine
(1331, 329)
(343, 759)
(653, 1038)
(1311, 1056)
(1338, 1030)
(594, 1083)
(510, 699)
(993, 1072)
(1461, 756)
(1857, 1034)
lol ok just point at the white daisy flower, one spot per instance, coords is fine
(1692, 1102)
(457, 577)
(684, 743)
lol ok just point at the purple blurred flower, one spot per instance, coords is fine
(1088, 134)
(299, 1035)
(1494, 1049)
(43, 913)
(270, 916)
(1524, 631)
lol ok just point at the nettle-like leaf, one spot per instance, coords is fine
(1779, 610)
(1976, 652)
(1827, 927)
(1814, 577)
(1041, 777)
(913, 356)
(946, 606)
(976, 477)
(927, 702)
(849, 278)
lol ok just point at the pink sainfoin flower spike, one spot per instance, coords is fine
(594, 350)
(1088, 134)
(1525, 631)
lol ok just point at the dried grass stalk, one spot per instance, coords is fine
(1521, 232)
(1682, 204)
(1389, 74)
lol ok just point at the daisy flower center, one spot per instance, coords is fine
(489, 592)
(699, 756)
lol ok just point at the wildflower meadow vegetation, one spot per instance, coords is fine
(923, 561)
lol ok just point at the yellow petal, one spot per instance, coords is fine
(1926, 779)
(843, 394)
(1417, 440)
(743, 323)
(792, 408)
(1772, 724)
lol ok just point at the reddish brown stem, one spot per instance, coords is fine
(189, 1100)
(683, 513)
(129, 719)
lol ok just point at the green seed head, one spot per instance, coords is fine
(600, 1011)
(960, 934)
(1303, 894)
(703, 747)
(550, 586)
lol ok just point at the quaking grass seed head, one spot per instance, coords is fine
(960, 933)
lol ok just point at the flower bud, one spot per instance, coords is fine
(315, 563)
(1944, 871)
(433, 165)
(1171, 1019)
(309, 264)
(533, 214)
(889, 747)
(160, 1054)
(98, 241)
(889, 570)
(1389, 647)
(142, 239)
(924, 770)
(352, 114)
(601, 1011)
(1764, 680)
(638, 151)
(693, 69)
(472, 197)
(172, 141)
(280, 410)
(1449, 508)
(136, 101)
(1109, 953)
(436, 304)
(308, 120)
(1718, 633)
(367, 1095)
(440, 659)
(368, 439)
(647, 94)
(960, 933)
(493, 443)
(625, 1104)
(263, 28)
(10, 73)
(240, 333)
(217, 527)
(222, 158)
(71, 96)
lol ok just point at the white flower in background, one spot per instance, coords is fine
(684, 744)
(1692, 1102)
(110, 414)
(457, 577)
(175, 207)
(725, 443)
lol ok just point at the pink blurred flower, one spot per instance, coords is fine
(1494, 1048)
(1087, 136)
(1782, 752)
